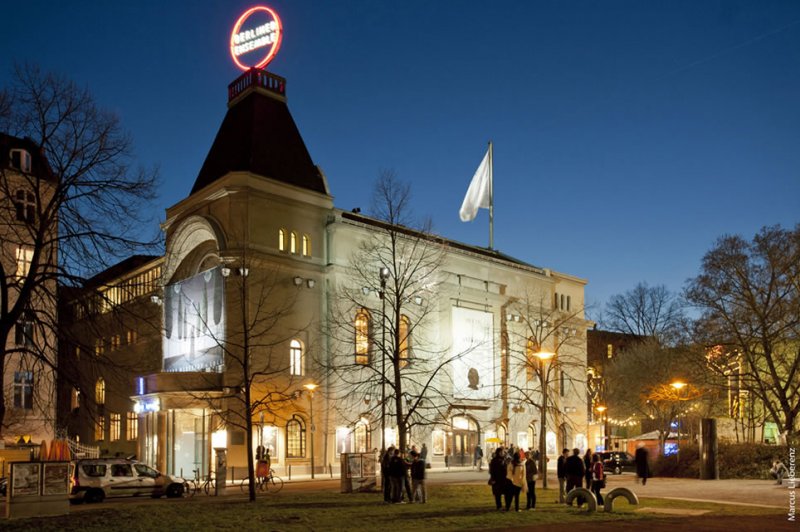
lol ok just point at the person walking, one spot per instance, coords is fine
(418, 479)
(598, 477)
(531, 471)
(561, 473)
(497, 475)
(516, 483)
(642, 466)
(575, 470)
(587, 463)
(387, 484)
(477, 457)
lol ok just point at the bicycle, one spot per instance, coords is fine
(193, 486)
(271, 484)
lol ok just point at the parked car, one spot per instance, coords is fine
(617, 461)
(93, 480)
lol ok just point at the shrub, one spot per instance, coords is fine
(736, 460)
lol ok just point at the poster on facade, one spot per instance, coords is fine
(194, 322)
(473, 344)
(25, 479)
(56, 478)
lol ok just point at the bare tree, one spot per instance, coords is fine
(84, 207)
(654, 383)
(647, 311)
(547, 345)
(381, 323)
(749, 296)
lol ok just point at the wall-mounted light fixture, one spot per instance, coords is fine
(310, 283)
(225, 271)
(297, 281)
(244, 272)
(155, 299)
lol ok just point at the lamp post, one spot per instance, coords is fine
(604, 412)
(543, 357)
(384, 275)
(311, 387)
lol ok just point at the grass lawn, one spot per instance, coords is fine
(450, 507)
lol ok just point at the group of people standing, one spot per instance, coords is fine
(573, 471)
(396, 469)
(512, 472)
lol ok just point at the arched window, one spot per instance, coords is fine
(281, 239)
(502, 434)
(295, 437)
(405, 341)
(531, 348)
(293, 242)
(296, 362)
(306, 246)
(25, 204)
(362, 328)
(100, 392)
(361, 436)
(532, 442)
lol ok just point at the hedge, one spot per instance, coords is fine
(736, 460)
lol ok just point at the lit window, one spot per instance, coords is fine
(100, 428)
(75, 399)
(295, 357)
(25, 205)
(293, 242)
(405, 341)
(306, 246)
(610, 350)
(281, 239)
(114, 427)
(361, 324)
(99, 348)
(531, 348)
(24, 260)
(23, 389)
(132, 336)
(100, 392)
(361, 437)
(115, 342)
(295, 438)
(21, 160)
(132, 427)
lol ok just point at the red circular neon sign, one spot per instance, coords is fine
(265, 37)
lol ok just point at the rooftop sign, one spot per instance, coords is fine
(256, 37)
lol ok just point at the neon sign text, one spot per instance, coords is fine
(266, 35)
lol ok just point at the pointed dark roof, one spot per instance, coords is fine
(259, 135)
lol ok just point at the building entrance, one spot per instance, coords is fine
(461, 445)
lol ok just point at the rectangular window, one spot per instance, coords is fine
(132, 427)
(113, 427)
(295, 358)
(99, 428)
(133, 336)
(23, 332)
(24, 260)
(23, 389)
(115, 341)
(21, 160)
(99, 347)
(569, 302)
(609, 351)
(562, 384)
(555, 301)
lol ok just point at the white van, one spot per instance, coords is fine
(95, 479)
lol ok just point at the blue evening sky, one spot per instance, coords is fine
(628, 135)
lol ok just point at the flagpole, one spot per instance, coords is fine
(491, 197)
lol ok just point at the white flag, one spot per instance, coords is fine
(479, 193)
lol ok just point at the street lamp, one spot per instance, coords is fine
(310, 386)
(384, 275)
(604, 412)
(543, 357)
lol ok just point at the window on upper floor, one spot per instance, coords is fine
(100, 391)
(114, 426)
(23, 331)
(23, 389)
(24, 260)
(281, 239)
(20, 160)
(75, 399)
(362, 329)
(296, 357)
(531, 347)
(293, 242)
(306, 246)
(405, 341)
(99, 347)
(25, 206)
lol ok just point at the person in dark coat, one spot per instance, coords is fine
(387, 485)
(477, 456)
(397, 471)
(497, 475)
(587, 464)
(642, 467)
(418, 479)
(531, 470)
(561, 472)
(575, 472)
